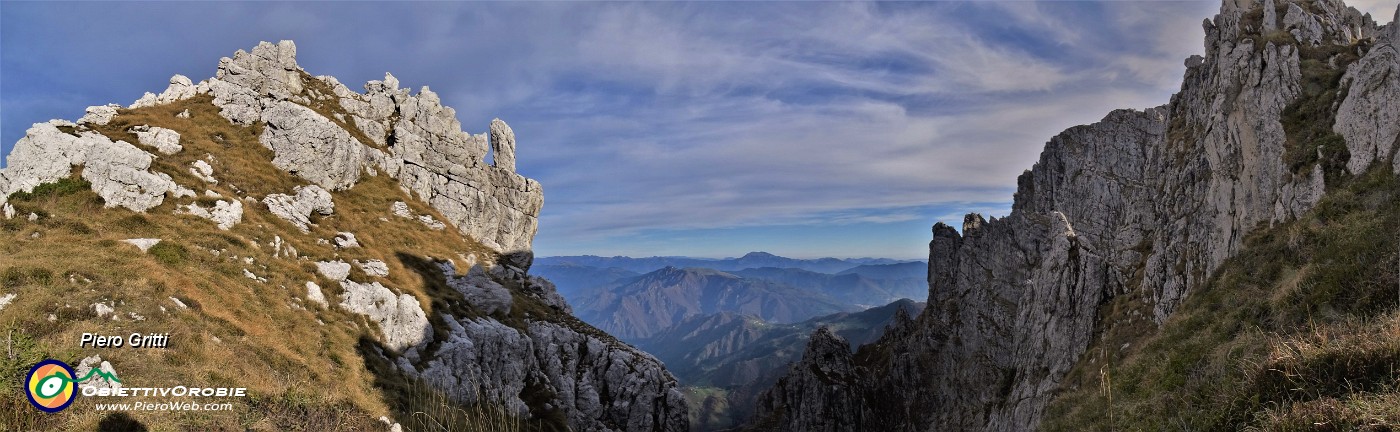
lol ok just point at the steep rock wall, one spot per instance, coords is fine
(1141, 206)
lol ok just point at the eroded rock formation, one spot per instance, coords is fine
(1141, 206)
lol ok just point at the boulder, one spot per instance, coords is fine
(298, 208)
(401, 319)
(334, 270)
(164, 140)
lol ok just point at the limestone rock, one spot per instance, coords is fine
(431, 156)
(6, 299)
(1369, 117)
(373, 267)
(1270, 23)
(143, 243)
(599, 385)
(400, 209)
(164, 140)
(224, 213)
(313, 294)
(100, 114)
(502, 145)
(118, 171)
(345, 240)
(243, 81)
(809, 388)
(180, 89)
(401, 319)
(203, 171)
(9, 211)
(298, 208)
(183, 114)
(312, 146)
(334, 270)
(479, 290)
(1148, 202)
(431, 222)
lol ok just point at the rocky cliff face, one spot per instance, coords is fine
(492, 335)
(1136, 210)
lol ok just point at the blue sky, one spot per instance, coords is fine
(703, 129)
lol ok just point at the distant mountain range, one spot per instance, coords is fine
(851, 288)
(726, 359)
(639, 307)
(729, 328)
(750, 260)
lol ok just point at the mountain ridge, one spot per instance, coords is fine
(1115, 226)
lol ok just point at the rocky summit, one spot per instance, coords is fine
(281, 219)
(1117, 226)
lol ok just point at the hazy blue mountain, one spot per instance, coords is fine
(573, 280)
(904, 270)
(638, 307)
(852, 288)
(750, 260)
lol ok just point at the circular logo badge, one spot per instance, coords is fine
(50, 386)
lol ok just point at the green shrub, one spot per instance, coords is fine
(169, 253)
(63, 187)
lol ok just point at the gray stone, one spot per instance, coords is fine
(180, 88)
(1270, 23)
(502, 145)
(224, 213)
(334, 270)
(313, 294)
(1369, 117)
(312, 146)
(99, 115)
(203, 171)
(345, 240)
(183, 114)
(401, 320)
(143, 243)
(400, 209)
(298, 208)
(431, 222)
(1117, 207)
(118, 171)
(479, 290)
(164, 140)
(9, 211)
(373, 267)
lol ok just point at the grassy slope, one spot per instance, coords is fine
(237, 332)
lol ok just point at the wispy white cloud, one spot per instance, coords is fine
(643, 120)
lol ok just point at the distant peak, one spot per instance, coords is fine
(759, 255)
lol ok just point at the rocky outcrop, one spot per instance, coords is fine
(119, 172)
(164, 140)
(402, 322)
(99, 115)
(225, 213)
(180, 88)
(1142, 206)
(507, 338)
(1369, 117)
(412, 138)
(596, 384)
(298, 208)
(823, 382)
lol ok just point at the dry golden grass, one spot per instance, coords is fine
(237, 332)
